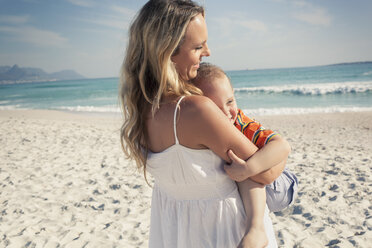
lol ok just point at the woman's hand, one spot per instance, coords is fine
(238, 169)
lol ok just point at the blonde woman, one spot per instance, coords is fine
(181, 137)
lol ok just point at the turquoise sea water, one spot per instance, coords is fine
(333, 88)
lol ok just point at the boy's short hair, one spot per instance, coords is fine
(208, 71)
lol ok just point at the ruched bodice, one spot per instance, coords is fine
(190, 174)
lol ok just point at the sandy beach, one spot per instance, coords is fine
(64, 181)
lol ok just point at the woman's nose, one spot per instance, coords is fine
(206, 52)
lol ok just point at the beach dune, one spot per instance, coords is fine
(64, 181)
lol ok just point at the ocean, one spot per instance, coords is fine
(317, 89)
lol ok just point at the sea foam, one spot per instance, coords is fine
(311, 89)
(10, 107)
(299, 111)
(98, 109)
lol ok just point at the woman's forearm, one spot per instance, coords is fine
(270, 175)
(272, 154)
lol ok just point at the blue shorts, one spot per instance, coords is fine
(282, 192)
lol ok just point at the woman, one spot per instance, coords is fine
(181, 137)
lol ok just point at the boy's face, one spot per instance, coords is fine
(221, 93)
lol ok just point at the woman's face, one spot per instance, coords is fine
(192, 50)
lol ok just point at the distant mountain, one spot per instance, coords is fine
(353, 63)
(66, 75)
(4, 68)
(16, 74)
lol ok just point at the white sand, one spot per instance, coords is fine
(64, 182)
(331, 155)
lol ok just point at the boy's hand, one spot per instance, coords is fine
(238, 169)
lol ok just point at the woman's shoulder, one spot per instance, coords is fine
(202, 124)
(200, 111)
(197, 105)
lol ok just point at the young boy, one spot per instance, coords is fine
(215, 84)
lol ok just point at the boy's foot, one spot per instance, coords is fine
(255, 238)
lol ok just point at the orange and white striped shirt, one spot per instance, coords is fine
(253, 130)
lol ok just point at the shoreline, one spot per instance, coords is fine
(47, 114)
(78, 115)
(65, 181)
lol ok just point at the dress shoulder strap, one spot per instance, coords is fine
(175, 119)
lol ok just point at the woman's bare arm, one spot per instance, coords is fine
(270, 175)
(203, 125)
(270, 155)
(275, 152)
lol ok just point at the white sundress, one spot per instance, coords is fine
(194, 203)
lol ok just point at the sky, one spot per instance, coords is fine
(89, 36)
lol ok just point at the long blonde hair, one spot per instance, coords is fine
(147, 73)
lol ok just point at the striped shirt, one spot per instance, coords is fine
(253, 130)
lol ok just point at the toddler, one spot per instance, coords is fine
(215, 85)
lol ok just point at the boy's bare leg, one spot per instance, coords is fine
(254, 199)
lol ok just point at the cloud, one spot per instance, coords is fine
(13, 19)
(32, 1)
(82, 3)
(308, 12)
(301, 3)
(225, 24)
(316, 16)
(113, 23)
(118, 18)
(253, 25)
(32, 35)
(15, 28)
(129, 13)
